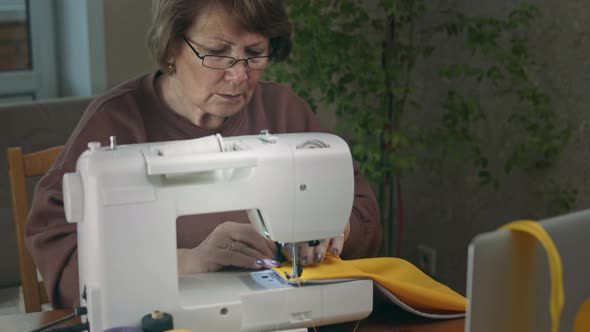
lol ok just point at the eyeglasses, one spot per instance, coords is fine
(225, 62)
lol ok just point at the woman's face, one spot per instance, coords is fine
(217, 93)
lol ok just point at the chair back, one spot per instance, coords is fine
(20, 167)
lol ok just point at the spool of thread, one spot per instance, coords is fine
(157, 321)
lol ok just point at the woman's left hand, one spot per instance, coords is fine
(309, 253)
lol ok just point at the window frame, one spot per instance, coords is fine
(41, 80)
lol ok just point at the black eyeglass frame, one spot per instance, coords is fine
(246, 60)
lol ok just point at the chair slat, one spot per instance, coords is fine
(21, 166)
(37, 163)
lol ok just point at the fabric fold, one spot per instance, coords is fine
(402, 283)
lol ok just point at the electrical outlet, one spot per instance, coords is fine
(427, 259)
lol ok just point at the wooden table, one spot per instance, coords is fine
(383, 319)
(388, 318)
(28, 322)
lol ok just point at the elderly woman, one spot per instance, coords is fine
(211, 55)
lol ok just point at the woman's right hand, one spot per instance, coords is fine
(230, 244)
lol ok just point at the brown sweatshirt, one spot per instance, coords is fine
(134, 113)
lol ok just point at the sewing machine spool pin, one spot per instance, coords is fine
(113, 142)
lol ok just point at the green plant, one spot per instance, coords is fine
(337, 63)
(559, 196)
(499, 49)
(360, 62)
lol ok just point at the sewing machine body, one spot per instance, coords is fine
(126, 199)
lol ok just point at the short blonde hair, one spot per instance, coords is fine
(172, 18)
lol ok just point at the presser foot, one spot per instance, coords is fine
(296, 272)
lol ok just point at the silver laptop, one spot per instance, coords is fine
(510, 292)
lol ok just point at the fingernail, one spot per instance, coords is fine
(335, 251)
(259, 262)
(318, 257)
(304, 260)
(271, 262)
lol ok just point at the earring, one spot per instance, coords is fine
(171, 68)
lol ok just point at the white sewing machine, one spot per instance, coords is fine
(126, 199)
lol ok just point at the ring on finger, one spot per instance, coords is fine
(231, 245)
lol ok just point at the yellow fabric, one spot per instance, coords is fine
(582, 321)
(557, 299)
(402, 279)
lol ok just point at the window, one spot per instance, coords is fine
(27, 50)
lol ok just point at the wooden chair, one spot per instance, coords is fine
(20, 167)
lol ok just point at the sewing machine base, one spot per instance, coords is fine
(261, 301)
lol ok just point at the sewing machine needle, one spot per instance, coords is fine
(294, 273)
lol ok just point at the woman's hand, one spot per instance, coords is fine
(313, 253)
(230, 244)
